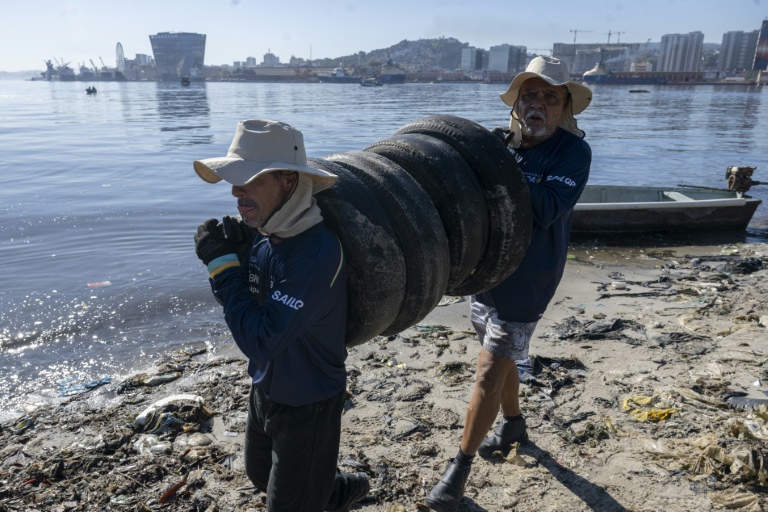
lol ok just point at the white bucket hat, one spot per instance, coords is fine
(554, 72)
(261, 146)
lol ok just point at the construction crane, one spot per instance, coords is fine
(618, 36)
(576, 32)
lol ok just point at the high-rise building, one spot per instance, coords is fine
(178, 54)
(507, 58)
(471, 59)
(761, 52)
(681, 52)
(737, 51)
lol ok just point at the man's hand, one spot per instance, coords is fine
(236, 229)
(211, 241)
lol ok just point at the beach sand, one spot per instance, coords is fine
(650, 368)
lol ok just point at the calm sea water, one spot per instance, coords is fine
(100, 190)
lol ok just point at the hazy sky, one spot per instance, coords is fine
(78, 30)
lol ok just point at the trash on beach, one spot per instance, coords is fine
(151, 444)
(454, 372)
(99, 284)
(156, 380)
(637, 407)
(77, 384)
(23, 425)
(184, 399)
(430, 329)
(448, 300)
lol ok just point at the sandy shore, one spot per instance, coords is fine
(646, 398)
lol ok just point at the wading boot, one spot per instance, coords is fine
(506, 433)
(447, 494)
(353, 487)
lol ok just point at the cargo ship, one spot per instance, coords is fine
(598, 75)
(391, 74)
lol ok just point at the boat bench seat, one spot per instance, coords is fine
(677, 196)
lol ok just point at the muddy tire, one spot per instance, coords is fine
(455, 192)
(506, 193)
(376, 285)
(419, 232)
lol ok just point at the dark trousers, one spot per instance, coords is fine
(291, 452)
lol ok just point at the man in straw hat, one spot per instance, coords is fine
(550, 150)
(286, 308)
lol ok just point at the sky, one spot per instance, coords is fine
(77, 31)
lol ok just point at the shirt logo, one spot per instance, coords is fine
(289, 301)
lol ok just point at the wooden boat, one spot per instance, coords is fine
(619, 209)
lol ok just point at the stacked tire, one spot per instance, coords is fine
(440, 207)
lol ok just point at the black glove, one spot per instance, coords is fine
(211, 241)
(504, 134)
(236, 229)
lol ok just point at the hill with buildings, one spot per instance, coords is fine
(411, 56)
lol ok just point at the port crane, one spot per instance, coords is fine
(618, 36)
(576, 32)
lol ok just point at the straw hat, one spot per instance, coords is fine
(554, 72)
(261, 146)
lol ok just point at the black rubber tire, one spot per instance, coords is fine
(376, 284)
(454, 191)
(506, 192)
(419, 232)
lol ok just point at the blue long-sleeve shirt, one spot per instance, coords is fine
(556, 171)
(287, 314)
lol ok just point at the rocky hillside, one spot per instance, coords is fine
(420, 55)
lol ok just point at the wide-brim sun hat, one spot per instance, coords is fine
(260, 146)
(554, 72)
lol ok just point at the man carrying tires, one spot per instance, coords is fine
(549, 148)
(285, 302)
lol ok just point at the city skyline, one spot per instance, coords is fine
(78, 31)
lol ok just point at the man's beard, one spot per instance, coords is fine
(537, 133)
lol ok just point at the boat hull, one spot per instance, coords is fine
(630, 80)
(617, 209)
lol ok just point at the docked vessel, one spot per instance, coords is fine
(391, 74)
(61, 72)
(339, 76)
(599, 75)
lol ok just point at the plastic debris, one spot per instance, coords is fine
(77, 384)
(151, 444)
(635, 405)
(142, 417)
(99, 284)
(23, 425)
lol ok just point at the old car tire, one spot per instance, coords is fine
(376, 285)
(419, 231)
(454, 191)
(505, 190)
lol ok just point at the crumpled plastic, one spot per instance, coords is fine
(635, 405)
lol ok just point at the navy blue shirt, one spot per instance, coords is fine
(556, 171)
(288, 315)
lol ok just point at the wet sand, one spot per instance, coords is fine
(647, 358)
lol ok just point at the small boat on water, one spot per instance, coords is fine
(370, 82)
(622, 209)
(185, 80)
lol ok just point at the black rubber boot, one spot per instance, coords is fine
(353, 487)
(447, 494)
(506, 433)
